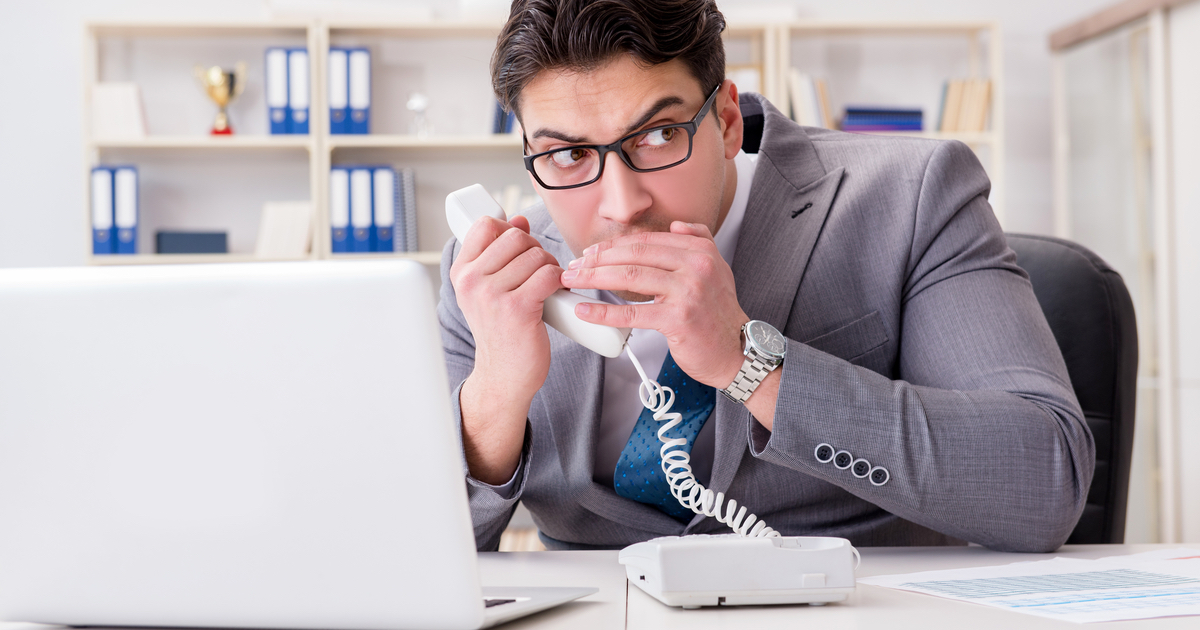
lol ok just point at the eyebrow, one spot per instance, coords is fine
(659, 105)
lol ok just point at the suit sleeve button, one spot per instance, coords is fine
(879, 476)
(861, 468)
(824, 453)
(842, 460)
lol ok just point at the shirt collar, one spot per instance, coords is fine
(727, 235)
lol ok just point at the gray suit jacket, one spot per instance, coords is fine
(914, 341)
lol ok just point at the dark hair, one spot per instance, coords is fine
(582, 35)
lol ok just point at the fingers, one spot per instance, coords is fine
(541, 284)
(520, 222)
(691, 236)
(637, 278)
(504, 246)
(522, 268)
(691, 229)
(623, 315)
(638, 253)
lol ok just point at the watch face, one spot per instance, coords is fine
(766, 339)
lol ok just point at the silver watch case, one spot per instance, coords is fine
(764, 349)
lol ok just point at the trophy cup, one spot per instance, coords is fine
(222, 87)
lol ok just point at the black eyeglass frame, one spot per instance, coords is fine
(615, 147)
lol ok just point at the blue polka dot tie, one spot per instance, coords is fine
(639, 475)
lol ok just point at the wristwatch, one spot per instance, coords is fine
(764, 349)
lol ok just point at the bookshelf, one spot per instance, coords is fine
(904, 63)
(190, 180)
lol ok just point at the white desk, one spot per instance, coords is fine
(871, 607)
(619, 606)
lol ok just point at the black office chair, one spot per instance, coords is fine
(1091, 315)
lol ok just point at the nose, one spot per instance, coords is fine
(623, 199)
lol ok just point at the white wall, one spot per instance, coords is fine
(40, 144)
(1185, 102)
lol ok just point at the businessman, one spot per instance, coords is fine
(855, 351)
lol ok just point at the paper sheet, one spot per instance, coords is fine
(1162, 583)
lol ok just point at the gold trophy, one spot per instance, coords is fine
(222, 87)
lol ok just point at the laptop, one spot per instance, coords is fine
(264, 445)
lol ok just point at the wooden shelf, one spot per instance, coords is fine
(425, 258)
(209, 142)
(398, 141)
(416, 29)
(809, 27)
(966, 137)
(198, 29)
(183, 259)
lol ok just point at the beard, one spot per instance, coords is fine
(630, 296)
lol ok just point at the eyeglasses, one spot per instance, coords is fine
(645, 151)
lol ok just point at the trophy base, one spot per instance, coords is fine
(228, 131)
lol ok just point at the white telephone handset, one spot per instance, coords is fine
(465, 206)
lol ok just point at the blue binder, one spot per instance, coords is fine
(339, 209)
(360, 90)
(277, 90)
(361, 210)
(339, 91)
(298, 89)
(386, 222)
(102, 211)
(125, 208)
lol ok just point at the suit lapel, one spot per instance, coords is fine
(789, 202)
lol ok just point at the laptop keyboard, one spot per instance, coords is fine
(488, 603)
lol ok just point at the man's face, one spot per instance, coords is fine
(564, 108)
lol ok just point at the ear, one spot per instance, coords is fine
(730, 115)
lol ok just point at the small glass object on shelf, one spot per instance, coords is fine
(222, 86)
(417, 104)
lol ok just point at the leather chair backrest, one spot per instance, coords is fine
(1091, 315)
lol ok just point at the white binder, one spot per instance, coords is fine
(339, 91)
(125, 209)
(277, 90)
(360, 91)
(339, 210)
(298, 89)
(361, 209)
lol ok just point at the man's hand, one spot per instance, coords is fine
(501, 277)
(695, 302)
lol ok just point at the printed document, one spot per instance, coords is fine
(1162, 583)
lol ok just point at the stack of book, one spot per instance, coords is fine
(881, 119)
(809, 100)
(372, 209)
(965, 105)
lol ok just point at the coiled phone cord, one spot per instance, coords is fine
(676, 464)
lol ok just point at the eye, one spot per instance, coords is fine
(660, 137)
(568, 157)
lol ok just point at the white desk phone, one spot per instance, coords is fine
(754, 565)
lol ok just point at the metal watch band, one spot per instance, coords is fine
(753, 371)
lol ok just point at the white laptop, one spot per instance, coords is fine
(263, 445)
